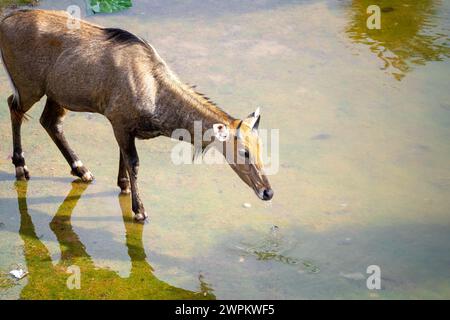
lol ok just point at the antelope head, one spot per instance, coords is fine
(242, 147)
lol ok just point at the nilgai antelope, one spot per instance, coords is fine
(119, 75)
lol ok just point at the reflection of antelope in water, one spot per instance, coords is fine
(48, 281)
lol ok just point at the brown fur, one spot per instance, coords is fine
(101, 70)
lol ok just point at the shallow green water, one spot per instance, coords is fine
(364, 176)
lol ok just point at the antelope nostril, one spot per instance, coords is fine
(267, 194)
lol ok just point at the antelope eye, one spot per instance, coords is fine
(244, 153)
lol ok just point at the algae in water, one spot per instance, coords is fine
(108, 6)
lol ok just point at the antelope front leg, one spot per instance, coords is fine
(129, 153)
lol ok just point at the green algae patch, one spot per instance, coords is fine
(108, 6)
(6, 282)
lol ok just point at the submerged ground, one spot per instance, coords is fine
(364, 174)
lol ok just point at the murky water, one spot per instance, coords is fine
(364, 178)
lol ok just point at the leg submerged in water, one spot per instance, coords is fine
(123, 181)
(130, 157)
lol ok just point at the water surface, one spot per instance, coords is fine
(364, 176)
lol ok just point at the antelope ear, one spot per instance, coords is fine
(256, 123)
(221, 131)
(255, 114)
(253, 119)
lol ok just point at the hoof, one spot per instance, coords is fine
(22, 173)
(125, 191)
(84, 174)
(124, 185)
(141, 217)
(87, 177)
